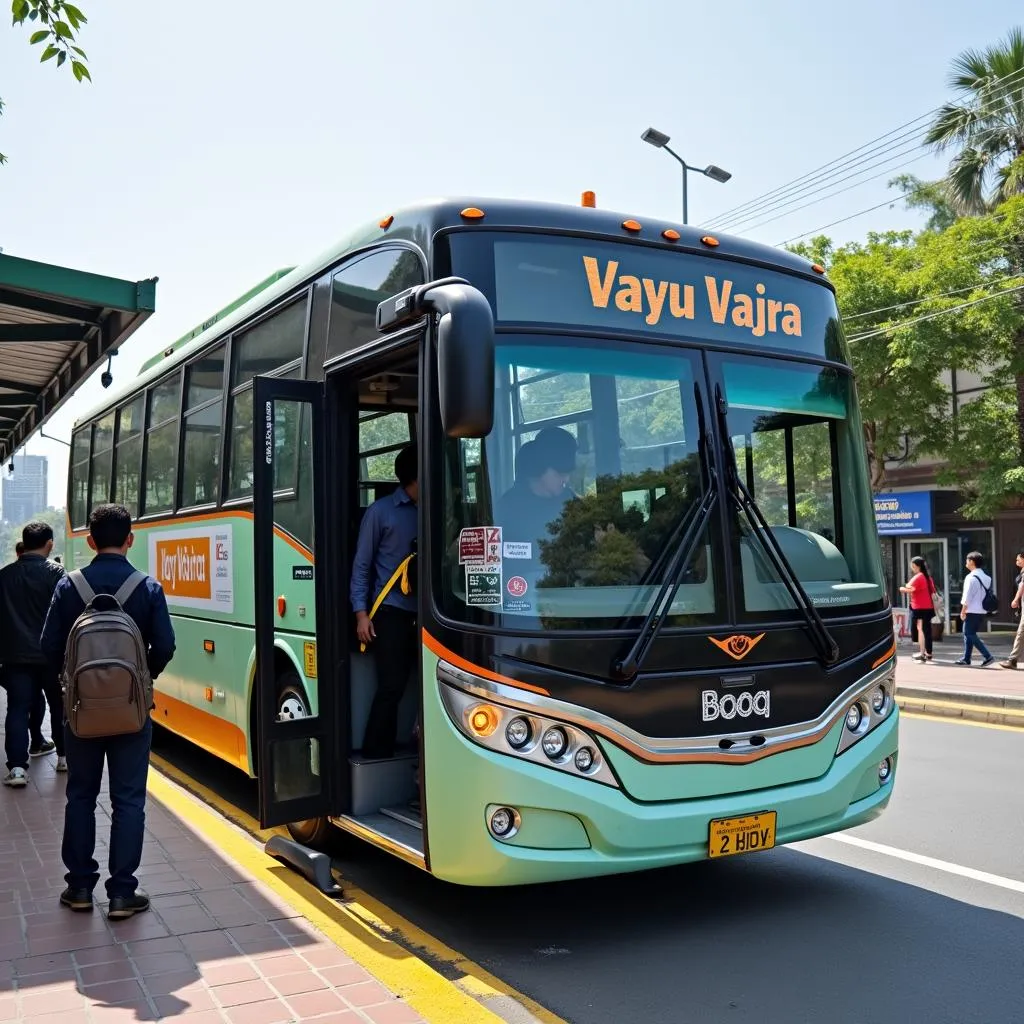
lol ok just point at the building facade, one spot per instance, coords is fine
(916, 516)
(23, 492)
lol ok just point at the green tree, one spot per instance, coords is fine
(985, 125)
(57, 24)
(889, 291)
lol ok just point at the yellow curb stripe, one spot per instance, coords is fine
(952, 705)
(371, 933)
(949, 719)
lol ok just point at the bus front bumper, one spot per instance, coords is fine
(572, 828)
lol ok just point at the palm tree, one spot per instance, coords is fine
(986, 127)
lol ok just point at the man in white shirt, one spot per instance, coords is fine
(972, 610)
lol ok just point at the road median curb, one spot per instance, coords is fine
(998, 709)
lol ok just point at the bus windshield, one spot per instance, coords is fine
(566, 515)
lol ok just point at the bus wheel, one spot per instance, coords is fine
(312, 832)
(291, 704)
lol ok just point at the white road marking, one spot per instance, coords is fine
(930, 862)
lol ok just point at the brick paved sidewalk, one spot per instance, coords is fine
(217, 945)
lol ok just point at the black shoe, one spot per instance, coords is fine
(79, 900)
(122, 907)
(42, 749)
(960, 661)
(988, 661)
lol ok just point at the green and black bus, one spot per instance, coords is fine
(692, 656)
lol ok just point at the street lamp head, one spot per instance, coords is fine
(655, 138)
(717, 174)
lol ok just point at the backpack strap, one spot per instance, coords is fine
(129, 587)
(81, 584)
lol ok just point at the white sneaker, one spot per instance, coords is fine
(62, 764)
(16, 778)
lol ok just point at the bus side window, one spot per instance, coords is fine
(128, 454)
(161, 458)
(203, 403)
(102, 459)
(273, 347)
(381, 436)
(78, 504)
(359, 287)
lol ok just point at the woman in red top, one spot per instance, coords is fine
(921, 588)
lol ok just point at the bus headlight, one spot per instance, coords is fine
(518, 733)
(584, 759)
(869, 707)
(555, 742)
(885, 770)
(523, 732)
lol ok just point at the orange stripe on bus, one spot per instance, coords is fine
(885, 657)
(206, 730)
(205, 517)
(450, 656)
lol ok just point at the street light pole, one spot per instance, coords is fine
(661, 141)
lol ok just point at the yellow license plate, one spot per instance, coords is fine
(728, 836)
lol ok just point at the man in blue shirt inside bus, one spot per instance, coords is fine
(387, 536)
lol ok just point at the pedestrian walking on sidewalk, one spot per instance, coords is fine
(921, 588)
(26, 587)
(1011, 661)
(977, 590)
(139, 598)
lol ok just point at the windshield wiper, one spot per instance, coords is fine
(679, 551)
(737, 490)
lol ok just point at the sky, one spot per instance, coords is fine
(209, 151)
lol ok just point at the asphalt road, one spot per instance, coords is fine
(861, 929)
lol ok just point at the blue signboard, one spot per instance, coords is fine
(905, 513)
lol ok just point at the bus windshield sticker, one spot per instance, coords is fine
(480, 548)
(518, 549)
(483, 589)
(472, 545)
(644, 289)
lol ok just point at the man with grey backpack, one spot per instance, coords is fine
(109, 635)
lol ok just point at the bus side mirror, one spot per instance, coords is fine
(465, 361)
(465, 349)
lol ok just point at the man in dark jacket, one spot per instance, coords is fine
(126, 756)
(26, 587)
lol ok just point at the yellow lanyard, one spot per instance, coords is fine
(401, 573)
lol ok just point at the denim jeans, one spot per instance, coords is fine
(24, 685)
(35, 721)
(127, 759)
(971, 638)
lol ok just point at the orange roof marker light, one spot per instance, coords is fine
(710, 240)
(472, 213)
(589, 199)
(817, 268)
(671, 234)
(387, 222)
(631, 225)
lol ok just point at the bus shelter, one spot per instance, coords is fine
(57, 325)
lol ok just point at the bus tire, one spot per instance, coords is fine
(292, 703)
(312, 832)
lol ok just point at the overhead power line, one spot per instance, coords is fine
(889, 328)
(929, 298)
(883, 147)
